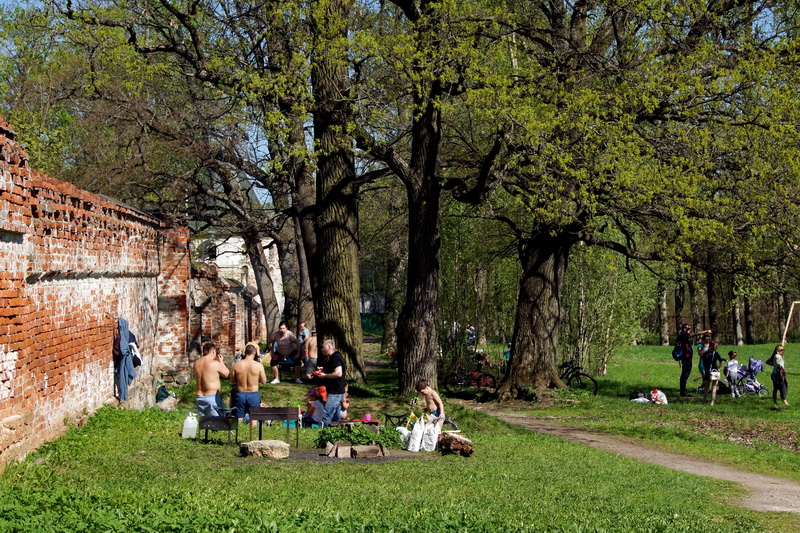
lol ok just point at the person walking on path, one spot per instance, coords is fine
(711, 360)
(779, 376)
(685, 341)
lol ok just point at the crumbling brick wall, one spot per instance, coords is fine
(71, 262)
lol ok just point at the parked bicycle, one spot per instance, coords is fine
(476, 381)
(408, 419)
(573, 375)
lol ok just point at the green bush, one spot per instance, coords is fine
(358, 436)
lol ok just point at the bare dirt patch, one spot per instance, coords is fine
(764, 493)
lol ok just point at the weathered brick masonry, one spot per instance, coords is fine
(71, 262)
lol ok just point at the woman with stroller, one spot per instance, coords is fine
(778, 376)
(711, 359)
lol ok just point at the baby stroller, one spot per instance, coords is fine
(747, 378)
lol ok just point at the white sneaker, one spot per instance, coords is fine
(274, 382)
(298, 380)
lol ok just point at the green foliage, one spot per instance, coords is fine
(358, 435)
(606, 299)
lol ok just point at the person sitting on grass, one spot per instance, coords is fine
(710, 360)
(432, 402)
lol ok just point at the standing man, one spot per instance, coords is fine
(685, 341)
(332, 375)
(207, 371)
(311, 353)
(285, 345)
(245, 376)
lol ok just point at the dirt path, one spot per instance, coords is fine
(765, 493)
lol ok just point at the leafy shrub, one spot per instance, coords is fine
(358, 436)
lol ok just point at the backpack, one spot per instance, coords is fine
(638, 394)
(677, 353)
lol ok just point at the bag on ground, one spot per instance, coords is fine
(415, 439)
(430, 437)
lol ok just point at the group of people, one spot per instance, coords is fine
(248, 373)
(711, 361)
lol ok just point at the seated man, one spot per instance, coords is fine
(245, 376)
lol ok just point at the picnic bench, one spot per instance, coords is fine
(287, 414)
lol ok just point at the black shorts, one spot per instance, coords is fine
(294, 356)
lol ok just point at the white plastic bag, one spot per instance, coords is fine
(430, 437)
(404, 435)
(415, 439)
(659, 397)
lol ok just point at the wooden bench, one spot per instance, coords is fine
(220, 423)
(287, 414)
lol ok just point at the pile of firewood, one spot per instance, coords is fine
(456, 444)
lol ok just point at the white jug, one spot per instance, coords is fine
(190, 426)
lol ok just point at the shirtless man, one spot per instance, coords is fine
(311, 353)
(285, 345)
(207, 371)
(433, 403)
(245, 376)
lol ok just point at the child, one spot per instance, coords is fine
(314, 409)
(433, 403)
(345, 405)
(732, 371)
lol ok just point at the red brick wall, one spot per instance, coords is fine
(70, 263)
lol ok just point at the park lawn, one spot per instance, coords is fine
(131, 471)
(746, 432)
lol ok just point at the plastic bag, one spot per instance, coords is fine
(430, 437)
(415, 439)
(659, 397)
(405, 435)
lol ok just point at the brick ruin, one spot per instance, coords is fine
(71, 263)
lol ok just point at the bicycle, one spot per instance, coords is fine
(572, 374)
(476, 381)
(408, 419)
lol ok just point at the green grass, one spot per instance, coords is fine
(131, 471)
(746, 432)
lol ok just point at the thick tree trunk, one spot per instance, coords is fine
(255, 252)
(663, 321)
(336, 298)
(535, 343)
(417, 324)
(290, 271)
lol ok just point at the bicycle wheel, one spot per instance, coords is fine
(449, 425)
(453, 383)
(583, 382)
(486, 382)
